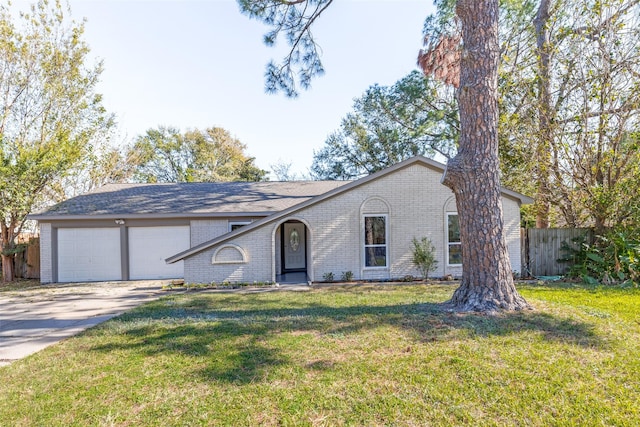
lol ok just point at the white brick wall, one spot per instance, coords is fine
(228, 254)
(258, 249)
(415, 202)
(406, 197)
(205, 230)
(511, 212)
(46, 267)
(413, 198)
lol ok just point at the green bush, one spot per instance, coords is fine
(328, 277)
(613, 258)
(347, 276)
(424, 256)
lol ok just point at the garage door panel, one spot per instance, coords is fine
(150, 246)
(89, 254)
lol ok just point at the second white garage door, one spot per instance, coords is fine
(150, 246)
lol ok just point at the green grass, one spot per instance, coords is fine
(373, 355)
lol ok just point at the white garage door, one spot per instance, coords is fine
(89, 254)
(150, 246)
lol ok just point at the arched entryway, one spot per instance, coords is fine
(293, 245)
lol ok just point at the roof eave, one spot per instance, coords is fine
(61, 217)
(521, 198)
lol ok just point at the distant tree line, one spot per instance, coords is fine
(165, 154)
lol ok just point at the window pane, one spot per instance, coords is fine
(235, 225)
(454, 228)
(374, 230)
(376, 257)
(455, 254)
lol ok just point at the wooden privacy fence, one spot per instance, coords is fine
(542, 247)
(27, 262)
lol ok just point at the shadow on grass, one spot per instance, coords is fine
(238, 346)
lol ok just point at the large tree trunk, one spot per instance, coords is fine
(6, 243)
(473, 175)
(545, 134)
(8, 273)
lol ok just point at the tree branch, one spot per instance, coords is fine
(592, 114)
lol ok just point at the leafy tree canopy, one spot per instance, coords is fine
(103, 164)
(388, 124)
(49, 111)
(167, 155)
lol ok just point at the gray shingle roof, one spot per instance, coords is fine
(185, 199)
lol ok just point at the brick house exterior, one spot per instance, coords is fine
(264, 232)
(408, 196)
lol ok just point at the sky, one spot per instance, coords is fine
(198, 64)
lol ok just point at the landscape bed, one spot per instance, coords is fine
(352, 355)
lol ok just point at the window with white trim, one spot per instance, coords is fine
(375, 241)
(454, 246)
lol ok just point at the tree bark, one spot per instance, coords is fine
(8, 273)
(545, 134)
(6, 243)
(473, 174)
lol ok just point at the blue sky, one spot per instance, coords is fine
(195, 64)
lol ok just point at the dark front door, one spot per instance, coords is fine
(294, 247)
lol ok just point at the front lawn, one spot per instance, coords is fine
(372, 355)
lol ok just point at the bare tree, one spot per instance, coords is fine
(571, 104)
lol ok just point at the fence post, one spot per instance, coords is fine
(524, 252)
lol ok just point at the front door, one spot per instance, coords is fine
(294, 247)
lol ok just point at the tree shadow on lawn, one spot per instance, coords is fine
(237, 342)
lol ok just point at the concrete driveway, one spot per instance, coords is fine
(33, 319)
